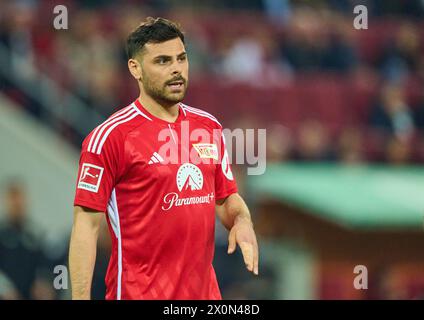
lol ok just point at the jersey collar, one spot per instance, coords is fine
(181, 113)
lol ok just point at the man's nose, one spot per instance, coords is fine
(176, 68)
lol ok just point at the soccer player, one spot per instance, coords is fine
(159, 169)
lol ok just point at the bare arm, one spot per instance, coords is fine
(82, 251)
(235, 216)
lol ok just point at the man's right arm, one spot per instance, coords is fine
(82, 251)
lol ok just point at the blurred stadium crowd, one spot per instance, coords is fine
(323, 90)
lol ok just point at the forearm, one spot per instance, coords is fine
(82, 257)
(233, 210)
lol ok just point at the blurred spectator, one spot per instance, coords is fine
(244, 59)
(398, 152)
(198, 48)
(350, 146)
(303, 48)
(19, 38)
(418, 112)
(17, 23)
(340, 53)
(253, 58)
(278, 11)
(21, 256)
(401, 56)
(313, 142)
(279, 144)
(95, 55)
(392, 114)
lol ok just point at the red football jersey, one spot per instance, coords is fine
(158, 182)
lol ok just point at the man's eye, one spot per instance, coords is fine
(183, 58)
(162, 61)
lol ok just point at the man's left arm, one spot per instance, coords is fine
(235, 216)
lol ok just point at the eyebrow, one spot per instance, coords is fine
(168, 57)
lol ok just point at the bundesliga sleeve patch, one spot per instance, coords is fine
(90, 177)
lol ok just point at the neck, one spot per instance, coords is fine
(161, 110)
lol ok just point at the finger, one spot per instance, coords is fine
(247, 251)
(231, 242)
(256, 259)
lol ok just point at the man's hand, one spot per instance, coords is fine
(242, 233)
(234, 215)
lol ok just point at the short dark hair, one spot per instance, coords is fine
(153, 30)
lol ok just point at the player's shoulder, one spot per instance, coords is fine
(113, 130)
(201, 115)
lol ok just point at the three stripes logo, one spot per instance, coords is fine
(155, 158)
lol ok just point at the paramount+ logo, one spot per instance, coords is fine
(189, 178)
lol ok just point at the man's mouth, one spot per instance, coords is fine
(175, 85)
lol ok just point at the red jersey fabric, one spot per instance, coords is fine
(158, 183)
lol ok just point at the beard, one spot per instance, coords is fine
(163, 93)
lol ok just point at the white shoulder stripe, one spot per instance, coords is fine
(142, 113)
(100, 133)
(182, 108)
(93, 136)
(206, 115)
(99, 148)
(198, 110)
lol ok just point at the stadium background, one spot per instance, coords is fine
(343, 109)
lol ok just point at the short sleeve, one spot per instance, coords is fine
(225, 183)
(97, 173)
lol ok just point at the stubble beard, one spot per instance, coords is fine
(161, 95)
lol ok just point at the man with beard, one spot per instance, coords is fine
(159, 186)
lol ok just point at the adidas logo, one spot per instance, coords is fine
(155, 158)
